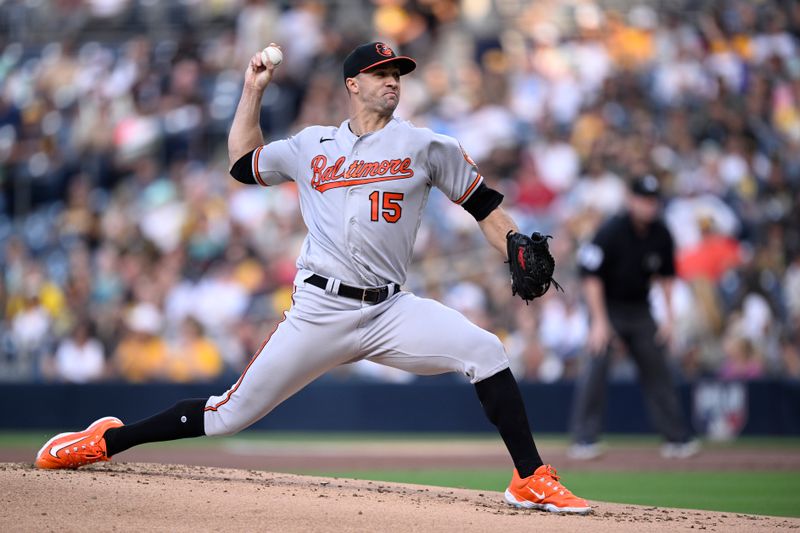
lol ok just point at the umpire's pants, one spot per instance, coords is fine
(635, 326)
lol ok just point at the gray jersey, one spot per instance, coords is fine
(362, 200)
(362, 197)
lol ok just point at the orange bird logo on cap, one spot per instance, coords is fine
(384, 50)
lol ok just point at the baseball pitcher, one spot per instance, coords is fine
(362, 189)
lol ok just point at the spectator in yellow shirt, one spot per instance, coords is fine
(194, 357)
(142, 355)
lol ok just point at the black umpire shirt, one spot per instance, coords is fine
(626, 261)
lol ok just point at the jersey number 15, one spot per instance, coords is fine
(389, 206)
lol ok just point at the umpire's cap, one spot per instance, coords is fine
(369, 55)
(646, 186)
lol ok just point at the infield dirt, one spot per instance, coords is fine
(157, 497)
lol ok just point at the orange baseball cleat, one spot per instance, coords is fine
(74, 449)
(542, 491)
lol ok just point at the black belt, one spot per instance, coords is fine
(373, 295)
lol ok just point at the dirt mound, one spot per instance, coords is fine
(143, 496)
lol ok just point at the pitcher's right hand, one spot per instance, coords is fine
(259, 74)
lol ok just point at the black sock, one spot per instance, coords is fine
(182, 420)
(503, 405)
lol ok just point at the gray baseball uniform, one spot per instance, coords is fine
(362, 200)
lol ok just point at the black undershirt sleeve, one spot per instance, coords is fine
(482, 202)
(242, 170)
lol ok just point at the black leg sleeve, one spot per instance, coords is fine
(181, 421)
(503, 405)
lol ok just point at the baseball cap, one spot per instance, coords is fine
(646, 186)
(144, 318)
(369, 55)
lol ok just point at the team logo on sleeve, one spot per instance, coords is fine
(359, 172)
(467, 157)
(384, 50)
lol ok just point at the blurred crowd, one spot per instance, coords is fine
(129, 253)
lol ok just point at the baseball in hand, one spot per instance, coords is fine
(272, 53)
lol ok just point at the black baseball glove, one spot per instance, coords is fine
(531, 265)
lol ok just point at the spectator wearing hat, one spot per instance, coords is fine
(628, 253)
(142, 355)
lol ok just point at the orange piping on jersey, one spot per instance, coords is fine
(256, 173)
(252, 360)
(349, 183)
(469, 190)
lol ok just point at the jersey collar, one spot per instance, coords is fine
(346, 134)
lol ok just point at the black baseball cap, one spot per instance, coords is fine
(646, 186)
(369, 55)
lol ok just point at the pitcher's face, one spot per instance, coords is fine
(378, 89)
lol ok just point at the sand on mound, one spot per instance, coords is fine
(144, 496)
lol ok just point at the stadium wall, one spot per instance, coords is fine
(754, 408)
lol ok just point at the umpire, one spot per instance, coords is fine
(629, 251)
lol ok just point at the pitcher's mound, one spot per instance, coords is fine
(143, 496)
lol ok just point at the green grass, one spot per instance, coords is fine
(767, 493)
